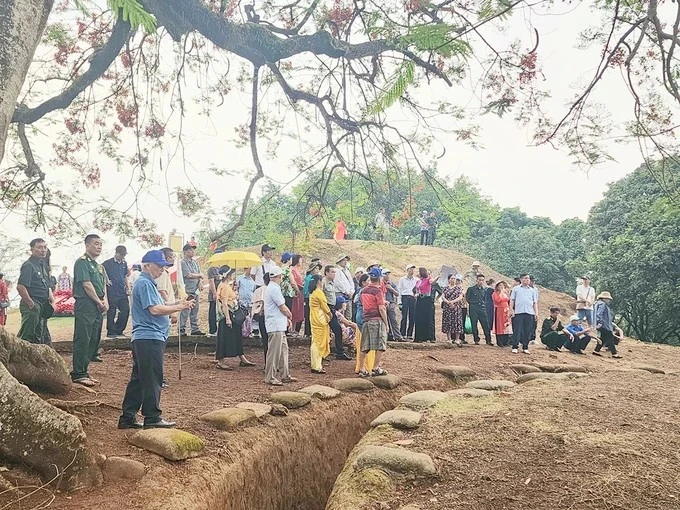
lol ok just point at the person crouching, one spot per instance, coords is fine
(150, 330)
(553, 333)
(581, 336)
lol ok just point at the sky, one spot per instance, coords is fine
(508, 168)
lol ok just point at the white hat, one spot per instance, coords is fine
(386, 271)
(575, 317)
(275, 271)
(410, 266)
(359, 270)
(476, 263)
(459, 277)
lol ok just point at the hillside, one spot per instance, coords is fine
(396, 257)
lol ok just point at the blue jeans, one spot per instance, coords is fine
(588, 315)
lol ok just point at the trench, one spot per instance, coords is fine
(290, 466)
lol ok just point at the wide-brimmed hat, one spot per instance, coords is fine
(476, 263)
(360, 270)
(313, 266)
(410, 266)
(605, 295)
(341, 258)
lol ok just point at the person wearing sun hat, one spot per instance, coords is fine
(343, 284)
(604, 323)
(150, 330)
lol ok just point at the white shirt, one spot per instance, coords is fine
(584, 294)
(343, 282)
(406, 284)
(259, 274)
(274, 320)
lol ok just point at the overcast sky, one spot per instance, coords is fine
(509, 170)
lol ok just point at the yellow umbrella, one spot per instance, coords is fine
(235, 259)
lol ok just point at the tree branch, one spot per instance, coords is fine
(99, 63)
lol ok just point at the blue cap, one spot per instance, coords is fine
(340, 300)
(286, 256)
(376, 272)
(155, 257)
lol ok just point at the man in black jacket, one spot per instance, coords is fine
(476, 298)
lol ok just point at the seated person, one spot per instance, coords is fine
(581, 336)
(553, 333)
(348, 327)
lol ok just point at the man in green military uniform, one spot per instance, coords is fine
(36, 295)
(89, 291)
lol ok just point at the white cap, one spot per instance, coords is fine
(410, 266)
(360, 270)
(476, 263)
(275, 271)
(575, 317)
(386, 271)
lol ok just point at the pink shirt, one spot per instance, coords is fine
(424, 286)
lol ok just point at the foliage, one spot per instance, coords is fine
(133, 12)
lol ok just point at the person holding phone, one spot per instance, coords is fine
(150, 331)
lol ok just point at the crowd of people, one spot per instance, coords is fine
(350, 314)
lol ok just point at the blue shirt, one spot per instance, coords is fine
(274, 320)
(144, 325)
(574, 330)
(524, 298)
(246, 288)
(117, 273)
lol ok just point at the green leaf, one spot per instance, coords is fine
(133, 12)
(439, 38)
(404, 76)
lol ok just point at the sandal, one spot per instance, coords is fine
(364, 373)
(246, 364)
(223, 367)
(617, 356)
(322, 371)
(275, 382)
(290, 379)
(378, 371)
(595, 353)
(85, 381)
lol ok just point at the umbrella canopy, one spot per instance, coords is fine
(234, 259)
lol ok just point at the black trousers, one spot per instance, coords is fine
(212, 317)
(579, 344)
(263, 335)
(462, 334)
(408, 315)
(116, 326)
(308, 324)
(502, 340)
(334, 324)
(423, 237)
(144, 389)
(479, 315)
(524, 325)
(607, 338)
(289, 304)
(554, 340)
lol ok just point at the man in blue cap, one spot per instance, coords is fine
(150, 330)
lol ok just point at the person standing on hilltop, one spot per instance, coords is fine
(604, 323)
(585, 298)
(382, 225)
(424, 229)
(36, 296)
(524, 309)
(431, 228)
(340, 231)
(407, 286)
(118, 291)
(476, 298)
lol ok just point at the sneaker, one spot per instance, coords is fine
(197, 332)
(515, 351)
(112, 337)
(211, 335)
(526, 351)
(165, 384)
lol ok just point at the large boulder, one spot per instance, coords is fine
(425, 398)
(386, 382)
(173, 444)
(397, 460)
(122, 468)
(321, 392)
(229, 418)
(354, 384)
(290, 399)
(456, 373)
(490, 385)
(399, 419)
(260, 410)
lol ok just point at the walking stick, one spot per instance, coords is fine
(179, 347)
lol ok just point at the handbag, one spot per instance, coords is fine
(468, 325)
(238, 316)
(4, 303)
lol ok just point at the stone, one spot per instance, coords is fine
(100, 458)
(490, 385)
(321, 392)
(520, 368)
(425, 398)
(409, 507)
(651, 370)
(550, 376)
(470, 393)
(546, 367)
(399, 419)
(121, 468)
(279, 410)
(229, 418)
(290, 399)
(173, 444)
(456, 373)
(353, 384)
(386, 382)
(260, 410)
(397, 460)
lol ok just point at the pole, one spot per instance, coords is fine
(179, 347)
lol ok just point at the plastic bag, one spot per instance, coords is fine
(468, 325)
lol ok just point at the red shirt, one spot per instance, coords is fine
(372, 297)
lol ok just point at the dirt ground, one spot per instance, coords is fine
(494, 447)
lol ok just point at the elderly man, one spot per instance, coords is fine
(118, 291)
(472, 274)
(150, 330)
(391, 296)
(407, 301)
(191, 273)
(36, 295)
(524, 311)
(581, 336)
(343, 284)
(277, 321)
(89, 291)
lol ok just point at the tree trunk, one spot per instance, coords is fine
(32, 431)
(21, 26)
